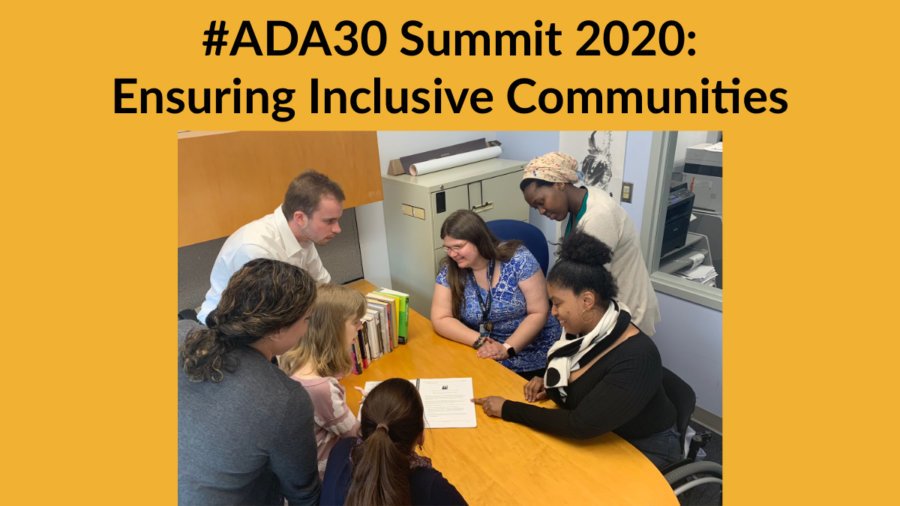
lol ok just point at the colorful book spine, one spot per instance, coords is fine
(403, 300)
(361, 348)
(354, 355)
(383, 329)
(372, 334)
(393, 308)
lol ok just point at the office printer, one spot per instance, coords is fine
(678, 217)
(703, 175)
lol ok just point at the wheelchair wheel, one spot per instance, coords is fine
(697, 483)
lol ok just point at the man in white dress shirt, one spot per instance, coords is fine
(309, 215)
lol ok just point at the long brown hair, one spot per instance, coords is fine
(324, 342)
(264, 296)
(468, 226)
(391, 422)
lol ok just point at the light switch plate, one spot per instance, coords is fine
(626, 192)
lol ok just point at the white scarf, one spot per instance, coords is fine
(566, 362)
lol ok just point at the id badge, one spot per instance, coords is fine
(482, 330)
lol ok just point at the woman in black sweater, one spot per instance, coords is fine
(604, 373)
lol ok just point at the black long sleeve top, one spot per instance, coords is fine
(622, 392)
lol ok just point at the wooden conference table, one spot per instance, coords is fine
(502, 462)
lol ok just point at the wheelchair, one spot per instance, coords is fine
(695, 482)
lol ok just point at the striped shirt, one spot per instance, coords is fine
(333, 419)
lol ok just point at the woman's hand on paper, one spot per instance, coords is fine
(492, 406)
(534, 390)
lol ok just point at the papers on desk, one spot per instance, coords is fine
(703, 274)
(448, 401)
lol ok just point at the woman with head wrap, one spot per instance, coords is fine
(551, 184)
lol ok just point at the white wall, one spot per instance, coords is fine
(525, 146)
(689, 338)
(637, 165)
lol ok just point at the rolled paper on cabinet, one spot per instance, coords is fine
(448, 162)
(696, 259)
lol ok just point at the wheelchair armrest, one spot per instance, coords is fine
(688, 469)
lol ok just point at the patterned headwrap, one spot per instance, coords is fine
(554, 167)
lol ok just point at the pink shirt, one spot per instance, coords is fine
(333, 417)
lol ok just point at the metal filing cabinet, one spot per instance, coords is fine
(415, 208)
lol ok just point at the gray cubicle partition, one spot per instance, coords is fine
(342, 257)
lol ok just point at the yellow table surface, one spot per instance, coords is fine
(502, 462)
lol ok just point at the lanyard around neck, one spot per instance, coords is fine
(485, 305)
(575, 218)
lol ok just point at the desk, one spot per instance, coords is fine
(503, 462)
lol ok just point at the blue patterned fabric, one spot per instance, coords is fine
(508, 310)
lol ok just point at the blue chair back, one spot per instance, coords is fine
(531, 237)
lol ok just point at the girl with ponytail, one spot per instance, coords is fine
(382, 467)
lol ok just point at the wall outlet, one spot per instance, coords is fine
(626, 192)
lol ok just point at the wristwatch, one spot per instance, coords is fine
(510, 351)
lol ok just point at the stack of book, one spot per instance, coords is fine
(385, 326)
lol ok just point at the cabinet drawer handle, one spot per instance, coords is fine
(487, 206)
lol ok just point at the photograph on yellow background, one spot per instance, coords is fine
(610, 240)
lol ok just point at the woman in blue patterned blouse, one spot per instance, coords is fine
(508, 319)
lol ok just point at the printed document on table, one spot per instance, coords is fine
(447, 401)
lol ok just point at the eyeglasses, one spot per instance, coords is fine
(456, 247)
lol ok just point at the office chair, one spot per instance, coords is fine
(188, 314)
(689, 473)
(531, 237)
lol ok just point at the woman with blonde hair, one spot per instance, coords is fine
(322, 358)
(245, 430)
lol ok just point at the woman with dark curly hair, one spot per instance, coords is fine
(603, 373)
(245, 429)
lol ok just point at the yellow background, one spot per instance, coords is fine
(89, 221)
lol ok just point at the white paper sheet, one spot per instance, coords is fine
(447, 401)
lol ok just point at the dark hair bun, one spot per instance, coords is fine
(583, 248)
